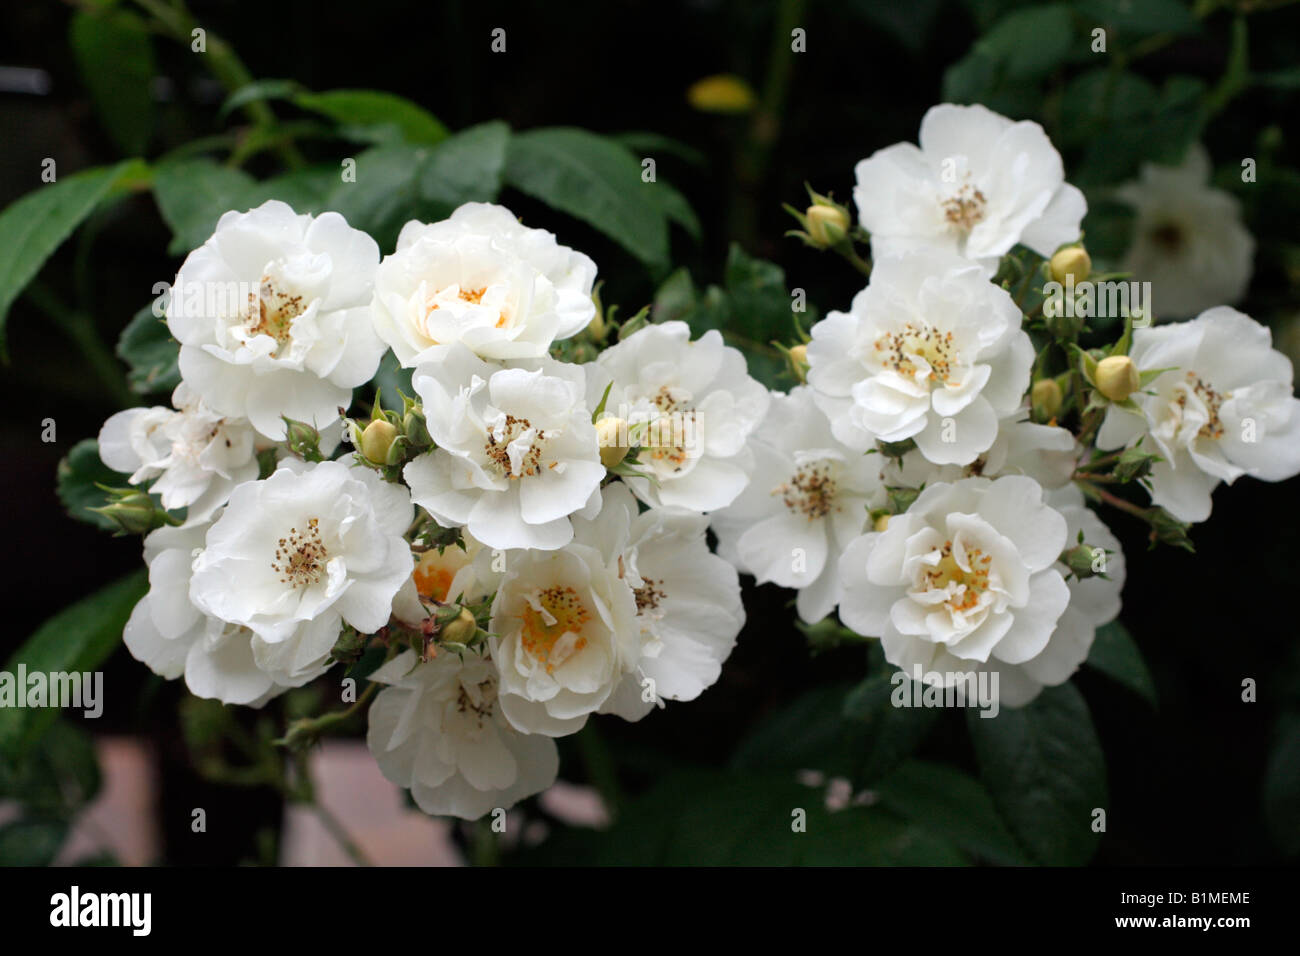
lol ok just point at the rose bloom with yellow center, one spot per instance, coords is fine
(484, 280)
(929, 350)
(966, 577)
(564, 635)
(516, 451)
(317, 544)
(1224, 407)
(272, 314)
(977, 185)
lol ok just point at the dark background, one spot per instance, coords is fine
(1185, 781)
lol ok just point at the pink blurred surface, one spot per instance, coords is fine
(123, 818)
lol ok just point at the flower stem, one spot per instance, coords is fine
(341, 835)
(1100, 494)
(223, 63)
(600, 768)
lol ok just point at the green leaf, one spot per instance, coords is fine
(855, 733)
(375, 116)
(678, 210)
(643, 143)
(1116, 654)
(306, 190)
(890, 734)
(31, 842)
(57, 778)
(1140, 18)
(1029, 42)
(1097, 99)
(1282, 785)
(149, 349)
(79, 638)
(392, 380)
(1044, 767)
(596, 180)
(34, 226)
(80, 471)
(953, 805)
(807, 733)
(193, 194)
(115, 59)
(1179, 119)
(467, 167)
(259, 90)
(712, 818)
(397, 183)
(675, 299)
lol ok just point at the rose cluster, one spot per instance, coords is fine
(525, 536)
(920, 482)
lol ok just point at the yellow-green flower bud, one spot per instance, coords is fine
(377, 439)
(611, 435)
(1046, 398)
(1117, 377)
(827, 225)
(1072, 261)
(460, 630)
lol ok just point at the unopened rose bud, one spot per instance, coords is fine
(377, 439)
(1073, 261)
(1046, 398)
(303, 440)
(827, 225)
(611, 436)
(798, 357)
(460, 630)
(1085, 561)
(415, 428)
(133, 512)
(1117, 377)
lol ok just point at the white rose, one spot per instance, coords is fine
(1224, 409)
(811, 495)
(310, 546)
(516, 451)
(220, 660)
(273, 317)
(688, 607)
(691, 406)
(929, 350)
(967, 576)
(482, 279)
(1188, 239)
(564, 635)
(438, 730)
(196, 456)
(978, 185)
